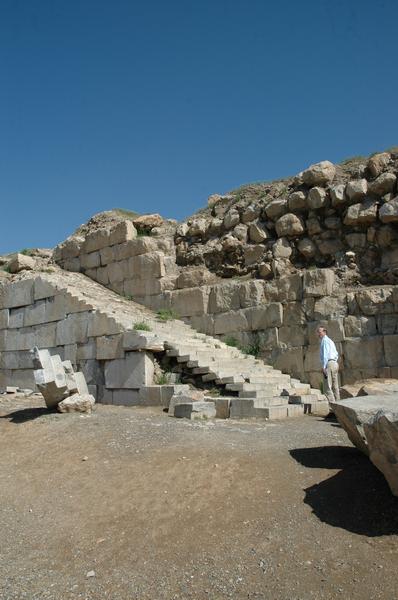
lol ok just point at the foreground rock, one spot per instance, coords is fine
(77, 403)
(371, 423)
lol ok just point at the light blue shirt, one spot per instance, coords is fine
(328, 351)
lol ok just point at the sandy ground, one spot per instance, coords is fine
(132, 504)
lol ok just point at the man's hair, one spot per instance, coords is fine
(323, 329)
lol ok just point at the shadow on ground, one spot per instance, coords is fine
(28, 414)
(357, 498)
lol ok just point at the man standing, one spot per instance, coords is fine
(330, 367)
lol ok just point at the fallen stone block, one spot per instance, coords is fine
(77, 403)
(184, 398)
(21, 262)
(195, 410)
(382, 437)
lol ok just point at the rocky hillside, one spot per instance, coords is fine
(342, 216)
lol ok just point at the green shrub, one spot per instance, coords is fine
(26, 251)
(167, 314)
(144, 232)
(142, 326)
(163, 378)
(230, 340)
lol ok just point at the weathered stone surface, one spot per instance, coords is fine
(184, 397)
(96, 240)
(195, 410)
(134, 371)
(197, 227)
(383, 184)
(142, 340)
(281, 249)
(337, 194)
(318, 282)
(146, 266)
(329, 247)
(358, 326)
(364, 353)
(250, 214)
(240, 232)
(231, 219)
(289, 225)
(83, 403)
(213, 199)
(21, 262)
(4, 318)
(356, 189)
(388, 213)
(391, 350)
(224, 297)
(229, 322)
(307, 248)
(313, 226)
(317, 198)
(257, 234)
(253, 254)
(319, 174)
(373, 301)
(271, 315)
(90, 261)
(371, 423)
(356, 240)
(276, 208)
(190, 301)
(378, 162)
(195, 277)
(73, 329)
(251, 293)
(148, 221)
(19, 293)
(297, 202)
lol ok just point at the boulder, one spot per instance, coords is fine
(198, 227)
(231, 219)
(378, 163)
(313, 226)
(240, 232)
(297, 202)
(388, 213)
(289, 225)
(148, 221)
(307, 248)
(257, 234)
(356, 189)
(21, 262)
(276, 208)
(371, 424)
(213, 199)
(337, 194)
(319, 174)
(83, 403)
(383, 184)
(281, 249)
(250, 214)
(317, 198)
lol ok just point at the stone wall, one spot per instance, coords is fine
(35, 312)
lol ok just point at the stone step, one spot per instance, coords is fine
(265, 393)
(306, 398)
(246, 409)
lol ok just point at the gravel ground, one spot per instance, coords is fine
(130, 504)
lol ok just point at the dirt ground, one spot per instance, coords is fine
(131, 504)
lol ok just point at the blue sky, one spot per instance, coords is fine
(153, 106)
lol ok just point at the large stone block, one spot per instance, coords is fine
(271, 315)
(44, 335)
(359, 326)
(312, 360)
(45, 311)
(17, 318)
(16, 294)
(22, 378)
(148, 287)
(141, 245)
(43, 289)
(16, 360)
(330, 307)
(134, 371)
(101, 324)
(73, 329)
(231, 321)
(375, 300)
(290, 360)
(122, 232)
(118, 271)
(293, 336)
(286, 289)
(19, 339)
(109, 347)
(93, 372)
(391, 350)
(128, 397)
(191, 301)
(318, 282)
(224, 297)
(147, 266)
(87, 350)
(90, 261)
(203, 323)
(364, 353)
(251, 293)
(4, 318)
(96, 240)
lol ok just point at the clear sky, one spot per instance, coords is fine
(155, 105)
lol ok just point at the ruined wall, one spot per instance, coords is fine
(35, 312)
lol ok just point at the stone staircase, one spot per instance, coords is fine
(252, 388)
